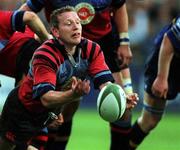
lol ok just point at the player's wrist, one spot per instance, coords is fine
(124, 38)
(127, 85)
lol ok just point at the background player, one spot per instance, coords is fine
(162, 81)
(17, 48)
(12, 21)
(10, 46)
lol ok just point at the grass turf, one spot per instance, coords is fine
(90, 132)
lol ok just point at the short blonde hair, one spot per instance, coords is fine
(54, 22)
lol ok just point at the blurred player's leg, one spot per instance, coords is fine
(120, 132)
(150, 117)
(38, 142)
(58, 138)
(120, 129)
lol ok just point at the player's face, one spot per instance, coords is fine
(70, 28)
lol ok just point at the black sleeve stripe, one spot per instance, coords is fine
(52, 46)
(118, 4)
(99, 51)
(17, 21)
(92, 52)
(42, 64)
(48, 51)
(84, 47)
(53, 65)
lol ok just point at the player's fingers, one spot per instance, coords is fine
(61, 118)
(86, 86)
(133, 96)
(74, 82)
(165, 94)
(129, 59)
(80, 85)
(156, 92)
(125, 62)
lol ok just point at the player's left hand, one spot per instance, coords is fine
(132, 100)
(160, 87)
(57, 122)
(124, 54)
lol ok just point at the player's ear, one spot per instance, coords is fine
(55, 32)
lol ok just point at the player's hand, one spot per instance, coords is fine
(132, 100)
(80, 87)
(57, 122)
(124, 54)
(160, 87)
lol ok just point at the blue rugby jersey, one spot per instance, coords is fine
(173, 33)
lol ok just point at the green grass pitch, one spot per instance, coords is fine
(90, 132)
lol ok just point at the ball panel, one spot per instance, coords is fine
(99, 99)
(109, 108)
(116, 90)
(106, 91)
(121, 98)
(123, 105)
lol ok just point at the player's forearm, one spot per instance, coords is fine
(36, 25)
(126, 81)
(54, 99)
(165, 56)
(121, 19)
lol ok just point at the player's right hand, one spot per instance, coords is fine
(80, 87)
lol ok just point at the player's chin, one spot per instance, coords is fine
(76, 41)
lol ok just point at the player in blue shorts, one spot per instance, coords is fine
(162, 81)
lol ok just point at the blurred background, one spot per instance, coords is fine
(146, 18)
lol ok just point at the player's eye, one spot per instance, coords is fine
(78, 21)
(68, 22)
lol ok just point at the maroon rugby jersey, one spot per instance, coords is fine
(8, 54)
(10, 22)
(52, 68)
(95, 14)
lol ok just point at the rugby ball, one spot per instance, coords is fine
(111, 102)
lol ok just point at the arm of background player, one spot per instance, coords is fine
(121, 21)
(36, 25)
(25, 7)
(33, 5)
(165, 57)
(160, 85)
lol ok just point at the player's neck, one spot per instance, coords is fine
(70, 50)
